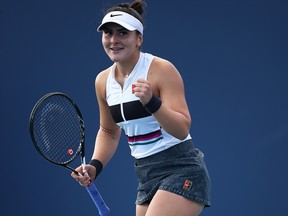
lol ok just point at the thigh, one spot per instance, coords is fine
(141, 209)
(170, 204)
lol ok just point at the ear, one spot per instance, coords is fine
(139, 40)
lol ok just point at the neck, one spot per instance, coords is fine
(124, 69)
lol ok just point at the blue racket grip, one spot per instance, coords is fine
(98, 200)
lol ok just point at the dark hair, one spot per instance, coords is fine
(136, 9)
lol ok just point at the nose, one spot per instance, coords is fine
(114, 39)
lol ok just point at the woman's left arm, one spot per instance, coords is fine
(165, 81)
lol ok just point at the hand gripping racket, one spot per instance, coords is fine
(57, 132)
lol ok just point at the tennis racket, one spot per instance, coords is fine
(57, 132)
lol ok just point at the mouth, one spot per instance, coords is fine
(116, 49)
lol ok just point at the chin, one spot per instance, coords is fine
(115, 58)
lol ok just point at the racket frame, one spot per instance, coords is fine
(81, 148)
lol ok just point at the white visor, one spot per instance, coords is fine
(126, 20)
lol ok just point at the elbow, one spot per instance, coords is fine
(184, 132)
(183, 136)
(180, 134)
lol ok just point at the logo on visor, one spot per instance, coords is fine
(113, 15)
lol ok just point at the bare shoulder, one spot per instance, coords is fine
(102, 76)
(163, 68)
(162, 63)
(163, 72)
(100, 82)
(101, 79)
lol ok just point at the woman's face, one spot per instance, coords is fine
(119, 43)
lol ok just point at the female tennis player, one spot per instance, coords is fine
(143, 95)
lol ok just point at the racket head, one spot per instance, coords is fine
(57, 128)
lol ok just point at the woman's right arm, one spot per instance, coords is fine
(108, 135)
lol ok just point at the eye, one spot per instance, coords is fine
(123, 33)
(107, 32)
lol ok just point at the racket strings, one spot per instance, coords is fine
(57, 130)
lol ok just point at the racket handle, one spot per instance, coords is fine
(98, 200)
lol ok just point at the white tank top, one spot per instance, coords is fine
(144, 134)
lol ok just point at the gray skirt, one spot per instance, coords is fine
(180, 169)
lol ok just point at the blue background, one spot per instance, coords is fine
(232, 55)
